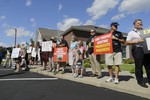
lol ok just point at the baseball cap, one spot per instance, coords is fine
(114, 24)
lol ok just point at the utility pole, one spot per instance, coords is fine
(15, 36)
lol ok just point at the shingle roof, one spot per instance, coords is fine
(87, 28)
(48, 33)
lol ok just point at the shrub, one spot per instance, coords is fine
(102, 61)
(87, 65)
(128, 61)
(132, 71)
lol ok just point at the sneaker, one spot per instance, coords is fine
(99, 76)
(109, 80)
(116, 81)
(75, 75)
(80, 76)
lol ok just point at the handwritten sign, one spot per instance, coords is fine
(15, 53)
(33, 54)
(47, 46)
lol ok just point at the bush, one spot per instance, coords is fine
(87, 65)
(3, 51)
(102, 61)
(87, 61)
(128, 61)
(132, 71)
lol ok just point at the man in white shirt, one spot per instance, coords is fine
(134, 39)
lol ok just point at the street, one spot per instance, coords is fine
(31, 86)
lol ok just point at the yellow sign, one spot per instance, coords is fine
(147, 31)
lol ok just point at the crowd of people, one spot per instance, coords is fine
(79, 52)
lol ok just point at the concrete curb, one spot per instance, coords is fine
(130, 87)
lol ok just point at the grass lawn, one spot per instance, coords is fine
(125, 67)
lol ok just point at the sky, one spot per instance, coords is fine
(27, 15)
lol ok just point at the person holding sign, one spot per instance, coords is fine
(62, 43)
(17, 58)
(114, 58)
(95, 63)
(45, 57)
(134, 39)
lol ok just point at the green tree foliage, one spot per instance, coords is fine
(3, 50)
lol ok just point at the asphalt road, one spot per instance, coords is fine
(57, 89)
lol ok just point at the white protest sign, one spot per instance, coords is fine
(47, 46)
(33, 54)
(29, 49)
(15, 53)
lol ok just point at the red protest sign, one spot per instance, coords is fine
(60, 54)
(103, 44)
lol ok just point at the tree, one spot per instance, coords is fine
(32, 41)
(3, 50)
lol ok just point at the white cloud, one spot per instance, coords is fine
(21, 31)
(134, 6)
(104, 26)
(67, 23)
(28, 2)
(60, 7)
(4, 44)
(100, 8)
(2, 17)
(118, 17)
(90, 22)
(32, 20)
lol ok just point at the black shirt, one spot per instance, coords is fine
(116, 44)
(64, 43)
(90, 43)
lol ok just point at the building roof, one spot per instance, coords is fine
(87, 28)
(48, 33)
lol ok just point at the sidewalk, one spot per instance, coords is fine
(127, 83)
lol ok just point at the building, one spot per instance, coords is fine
(43, 33)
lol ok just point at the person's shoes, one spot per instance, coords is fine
(75, 76)
(143, 85)
(116, 81)
(80, 76)
(93, 75)
(109, 80)
(16, 71)
(99, 76)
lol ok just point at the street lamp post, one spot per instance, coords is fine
(15, 36)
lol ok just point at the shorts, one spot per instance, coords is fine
(114, 58)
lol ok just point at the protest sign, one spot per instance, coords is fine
(47, 46)
(103, 44)
(145, 34)
(29, 49)
(33, 54)
(15, 53)
(60, 54)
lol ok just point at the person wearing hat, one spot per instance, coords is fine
(134, 38)
(95, 63)
(114, 58)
